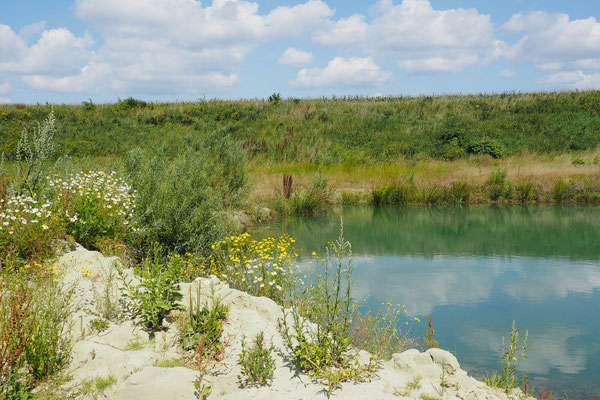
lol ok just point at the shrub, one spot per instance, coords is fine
(130, 103)
(175, 204)
(487, 146)
(226, 166)
(257, 363)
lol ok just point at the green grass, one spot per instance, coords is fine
(326, 131)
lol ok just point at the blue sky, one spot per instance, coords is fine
(70, 51)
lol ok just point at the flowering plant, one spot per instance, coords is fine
(95, 206)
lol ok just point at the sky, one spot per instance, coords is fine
(69, 51)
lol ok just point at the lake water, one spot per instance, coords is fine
(476, 269)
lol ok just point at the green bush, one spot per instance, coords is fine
(226, 163)
(176, 206)
(487, 146)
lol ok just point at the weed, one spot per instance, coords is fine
(135, 344)
(497, 182)
(259, 267)
(99, 324)
(33, 152)
(157, 293)
(396, 194)
(561, 191)
(103, 383)
(428, 341)
(460, 192)
(511, 355)
(415, 384)
(257, 363)
(107, 301)
(351, 198)
(95, 206)
(525, 191)
(324, 350)
(204, 323)
(170, 363)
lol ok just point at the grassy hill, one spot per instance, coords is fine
(328, 131)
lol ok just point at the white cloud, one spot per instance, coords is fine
(572, 80)
(341, 72)
(153, 46)
(295, 57)
(508, 73)
(57, 51)
(5, 100)
(293, 21)
(346, 31)
(33, 29)
(421, 38)
(553, 41)
(4, 87)
(438, 64)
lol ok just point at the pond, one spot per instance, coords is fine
(476, 269)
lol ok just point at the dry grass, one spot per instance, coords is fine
(542, 170)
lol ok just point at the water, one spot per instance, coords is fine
(475, 270)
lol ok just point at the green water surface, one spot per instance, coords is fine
(475, 270)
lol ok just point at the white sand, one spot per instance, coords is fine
(126, 352)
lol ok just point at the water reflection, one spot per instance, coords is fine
(476, 269)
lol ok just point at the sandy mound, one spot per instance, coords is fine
(133, 357)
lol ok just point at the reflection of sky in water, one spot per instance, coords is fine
(473, 301)
(476, 270)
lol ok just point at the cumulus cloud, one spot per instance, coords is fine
(153, 46)
(56, 53)
(341, 72)
(572, 80)
(295, 57)
(553, 41)
(421, 38)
